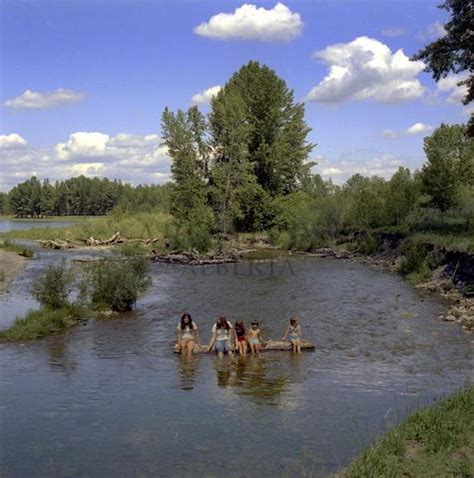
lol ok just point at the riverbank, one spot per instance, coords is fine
(11, 267)
(435, 441)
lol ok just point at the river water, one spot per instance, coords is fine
(111, 399)
(7, 225)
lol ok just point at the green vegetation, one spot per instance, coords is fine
(80, 196)
(436, 441)
(115, 284)
(43, 322)
(53, 287)
(17, 248)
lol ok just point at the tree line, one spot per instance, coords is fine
(245, 167)
(80, 196)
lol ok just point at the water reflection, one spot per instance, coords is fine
(59, 357)
(188, 366)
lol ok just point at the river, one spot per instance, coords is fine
(111, 399)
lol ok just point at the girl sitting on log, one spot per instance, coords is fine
(255, 338)
(240, 337)
(187, 334)
(221, 337)
(293, 333)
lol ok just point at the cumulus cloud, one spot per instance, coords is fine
(132, 158)
(394, 32)
(413, 130)
(366, 69)
(365, 162)
(46, 99)
(248, 22)
(206, 95)
(450, 86)
(12, 141)
(432, 32)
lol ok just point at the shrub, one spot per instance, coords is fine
(43, 322)
(116, 283)
(53, 286)
(17, 248)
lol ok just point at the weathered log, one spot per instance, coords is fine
(270, 346)
(192, 259)
(56, 244)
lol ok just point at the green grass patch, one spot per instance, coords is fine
(452, 242)
(43, 322)
(10, 246)
(143, 225)
(435, 441)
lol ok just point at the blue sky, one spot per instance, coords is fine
(99, 75)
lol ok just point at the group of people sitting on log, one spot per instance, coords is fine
(227, 338)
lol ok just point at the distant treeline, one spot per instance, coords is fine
(80, 196)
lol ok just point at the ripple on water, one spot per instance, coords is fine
(111, 399)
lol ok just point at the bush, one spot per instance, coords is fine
(17, 248)
(116, 283)
(43, 322)
(53, 287)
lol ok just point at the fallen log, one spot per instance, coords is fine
(270, 346)
(194, 259)
(57, 244)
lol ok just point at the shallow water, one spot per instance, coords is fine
(7, 225)
(111, 399)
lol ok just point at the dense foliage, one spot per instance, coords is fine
(252, 148)
(116, 284)
(80, 196)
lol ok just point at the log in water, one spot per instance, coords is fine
(270, 345)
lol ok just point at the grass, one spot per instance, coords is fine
(143, 225)
(23, 251)
(43, 322)
(435, 441)
(452, 242)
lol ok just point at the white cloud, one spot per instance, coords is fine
(47, 99)
(366, 69)
(413, 130)
(450, 85)
(394, 32)
(367, 163)
(432, 32)
(248, 22)
(418, 128)
(132, 158)
(206, 95)
(12, 141)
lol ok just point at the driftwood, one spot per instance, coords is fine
(270, 346)
(57, 244)
(193, 258)
(115, 239)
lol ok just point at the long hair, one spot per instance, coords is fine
(190, 321)
(239, 327)
(222, 323)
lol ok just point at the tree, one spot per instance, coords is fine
(276, 133)
(179, 136)
(454, 51)
(450, 156)
(401, 195)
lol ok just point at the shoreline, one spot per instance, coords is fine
(11, 266)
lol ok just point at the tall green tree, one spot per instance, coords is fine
(401, 196)
(179, 136)
(276, 133)
(450, 156)
(454, 52)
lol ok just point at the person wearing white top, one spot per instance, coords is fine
(221, 337)
(187, 334)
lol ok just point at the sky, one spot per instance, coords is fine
(83, 83)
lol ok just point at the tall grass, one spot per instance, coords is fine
(144, 225)
(10, 246)
(436, 441)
